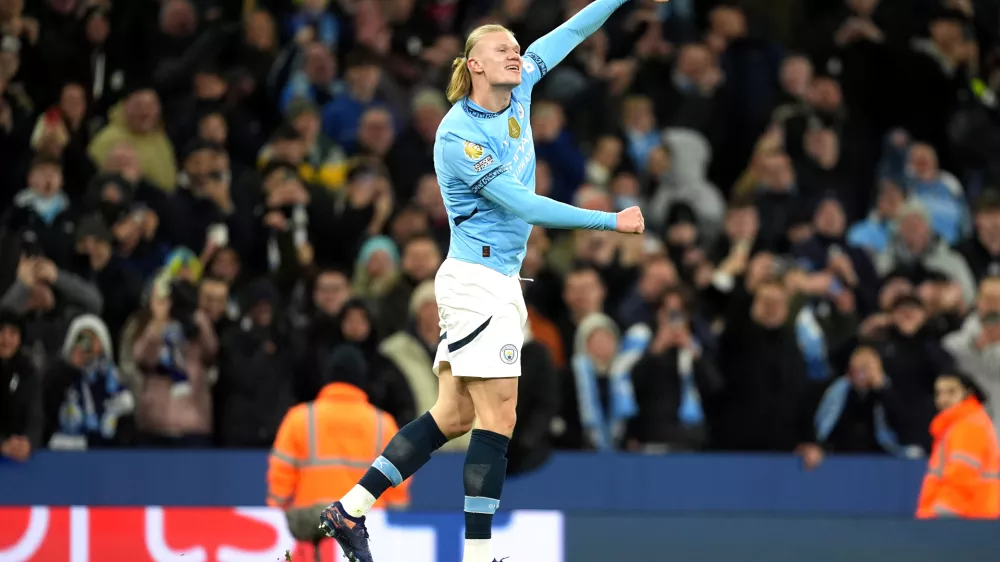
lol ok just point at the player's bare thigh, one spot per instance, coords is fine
(495, 403)
(454, 410)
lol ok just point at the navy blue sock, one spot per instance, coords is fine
(485, 471)
(408, 450)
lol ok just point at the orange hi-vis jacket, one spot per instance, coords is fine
(963, 476)
(324, 447)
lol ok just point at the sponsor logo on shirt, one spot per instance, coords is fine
(483, 164)
(473, 151)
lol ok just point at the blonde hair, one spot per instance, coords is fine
(461, 77)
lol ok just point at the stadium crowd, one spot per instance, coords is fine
(206, 199)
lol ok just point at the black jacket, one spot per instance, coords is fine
(20, 399)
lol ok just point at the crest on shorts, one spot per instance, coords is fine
(473, 151)
(514, 128)
(508, 354)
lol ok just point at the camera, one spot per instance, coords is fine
(183, 305)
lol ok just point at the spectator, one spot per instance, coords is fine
(137, 120)
(916, 246)
(324, 163)
(412, 351)
(640, 306)
(982, 250)
(388, 388)
(939, 192)
(601, 386)
(421, 259)
(172, 344)
(912, 357)
(43, 210)
(412, 155)
(860, 412)
(255, 387)
(85, 403)
(976, 346)
(538, 406)
(320, 321)
(874, 232)
(120, 287)
(21, 400)
(48, 298)
(675, 383)
(762, 409)
(342, 115)
(959, 480)
(313, 18)
(316, 81)
(205, 211)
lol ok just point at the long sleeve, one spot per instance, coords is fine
(16, 297)
(80, 292)
(551, 49)
(961, 477)
(535, 209)
(497, 184)
(283, 463)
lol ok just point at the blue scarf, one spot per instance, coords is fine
(812, 343)
(80, 414)
(690, 412)
(831, 407)
(171, 360)
(605, 429)
(47, 208)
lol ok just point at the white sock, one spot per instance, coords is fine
(478, 550)
(359, 501)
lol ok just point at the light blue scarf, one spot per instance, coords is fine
(831, 407)
(79, 414)
(47, 208)
(690, 412)
(812, 343)
(605, 429)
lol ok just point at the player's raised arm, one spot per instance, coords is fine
(551, 49)
(488, 177)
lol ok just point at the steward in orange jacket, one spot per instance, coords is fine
(324, 447)
(963, 476)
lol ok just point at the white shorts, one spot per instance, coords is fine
(482, 316)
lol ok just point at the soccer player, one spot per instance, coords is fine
(485, 163)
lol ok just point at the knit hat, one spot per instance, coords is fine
(93, 225)
(346, 364)
(11, 319)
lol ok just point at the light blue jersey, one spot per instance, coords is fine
(485, 162)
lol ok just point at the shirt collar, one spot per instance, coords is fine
(474, 110)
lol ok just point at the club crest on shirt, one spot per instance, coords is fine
(473, 151)
(513, 128)
(483, 164)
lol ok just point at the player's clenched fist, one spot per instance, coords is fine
(630, 221)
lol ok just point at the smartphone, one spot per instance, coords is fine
(218, 235)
